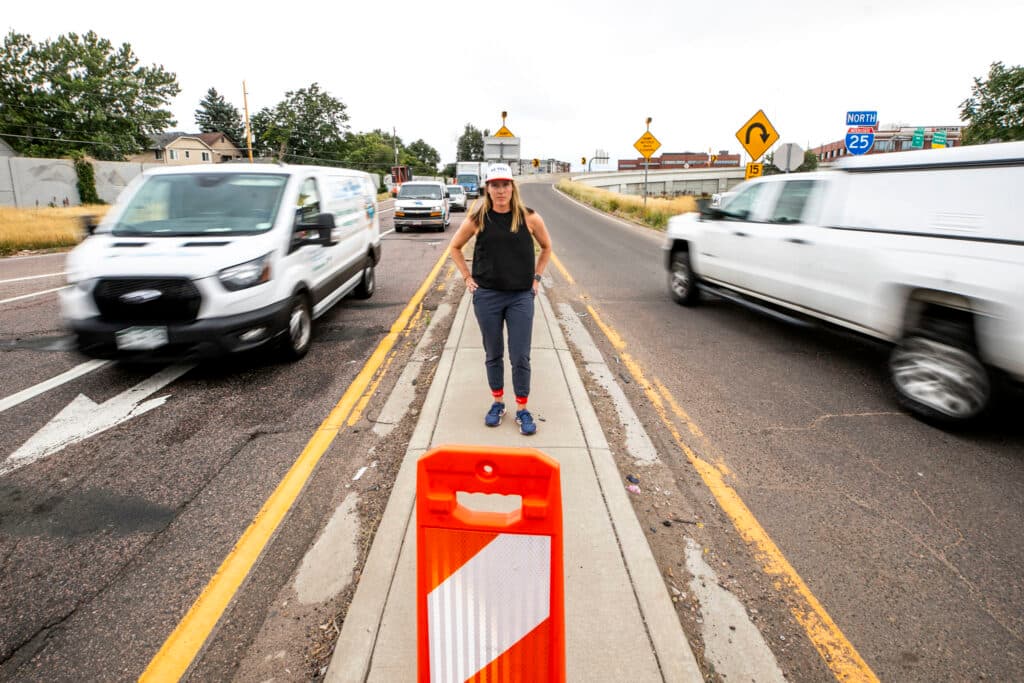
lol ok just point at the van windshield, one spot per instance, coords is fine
(419, 192)
(203, 204)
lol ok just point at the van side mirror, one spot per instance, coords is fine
(323, 227)
(325, 224)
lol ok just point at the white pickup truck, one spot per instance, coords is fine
(923, 249)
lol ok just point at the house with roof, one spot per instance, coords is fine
(223, 147)
(177, 148)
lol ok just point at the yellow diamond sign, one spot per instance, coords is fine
(757, 135)
(504, 132)
(647, 145)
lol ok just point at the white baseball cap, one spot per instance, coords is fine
(498, 172)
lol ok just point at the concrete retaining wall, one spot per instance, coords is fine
(29, 182)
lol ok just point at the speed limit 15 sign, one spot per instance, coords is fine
(859, 140)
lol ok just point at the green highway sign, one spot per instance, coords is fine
(917, 141)
(939, 139)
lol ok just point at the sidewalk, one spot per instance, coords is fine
(620, 622)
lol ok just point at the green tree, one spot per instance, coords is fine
(470, 146)
(307, 127)
(425, 158)
(372, 152)
(217, 115)
(449, 171)
(79, 93)
(995, 109)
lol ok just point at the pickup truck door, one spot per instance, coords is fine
(723, 236)
(782, 246)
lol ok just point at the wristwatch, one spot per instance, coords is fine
(536, 276)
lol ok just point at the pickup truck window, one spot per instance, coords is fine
(789, 207)
(741, 205)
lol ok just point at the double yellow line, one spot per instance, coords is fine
(179, 650)
(832, 645)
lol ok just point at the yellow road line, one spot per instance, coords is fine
(838, 653)
(179, 650)
(561, 269)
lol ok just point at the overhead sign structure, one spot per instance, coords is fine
(504, 132)
(788, 157)
(754, 171)
(862, 118)
(757, 135)
(938, 139)
(860, 139)
(647, 145)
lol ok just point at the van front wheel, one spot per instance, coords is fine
(367, 285)
(299, 334)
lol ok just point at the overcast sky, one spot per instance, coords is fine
(573, 76)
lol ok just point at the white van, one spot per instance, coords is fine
(921, 249)
(422, 204)
(199, 261)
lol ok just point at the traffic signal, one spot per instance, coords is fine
(536, 163)
(583, 161)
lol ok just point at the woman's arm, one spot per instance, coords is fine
(540, 233)
(459, 239)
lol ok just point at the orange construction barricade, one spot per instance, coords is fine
(489, 593)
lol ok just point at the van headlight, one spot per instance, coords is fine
(246, 274)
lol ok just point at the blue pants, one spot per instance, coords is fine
(496, 310)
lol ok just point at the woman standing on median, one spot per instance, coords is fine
(504, 285)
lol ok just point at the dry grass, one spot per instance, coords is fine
(43, 228)
(656, 213)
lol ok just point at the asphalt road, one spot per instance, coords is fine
(908, 536)
(107, 542)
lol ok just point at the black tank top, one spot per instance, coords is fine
(503, 259)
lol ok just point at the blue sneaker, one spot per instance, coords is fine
(527, 427)
(494, 415)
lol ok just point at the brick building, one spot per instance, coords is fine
(681, 160)
(893, 138)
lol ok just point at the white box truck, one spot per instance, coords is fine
(470, 174)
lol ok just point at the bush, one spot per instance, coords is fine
(655, 214)
(86, 181)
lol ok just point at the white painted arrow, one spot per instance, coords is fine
(83, 418)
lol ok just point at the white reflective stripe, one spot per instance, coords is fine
(488, 605)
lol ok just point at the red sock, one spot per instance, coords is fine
(498, 394)
(521, 402)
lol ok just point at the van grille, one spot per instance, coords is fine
(179, 300)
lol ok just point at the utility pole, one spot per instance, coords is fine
(394, 142)
(248, 130)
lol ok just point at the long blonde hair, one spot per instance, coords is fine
(481, 206)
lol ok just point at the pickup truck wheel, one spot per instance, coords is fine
(938, 379)
(367, 286)
(682, 283)
(299, 334)
(398, 228)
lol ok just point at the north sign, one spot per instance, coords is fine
(862, 118)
